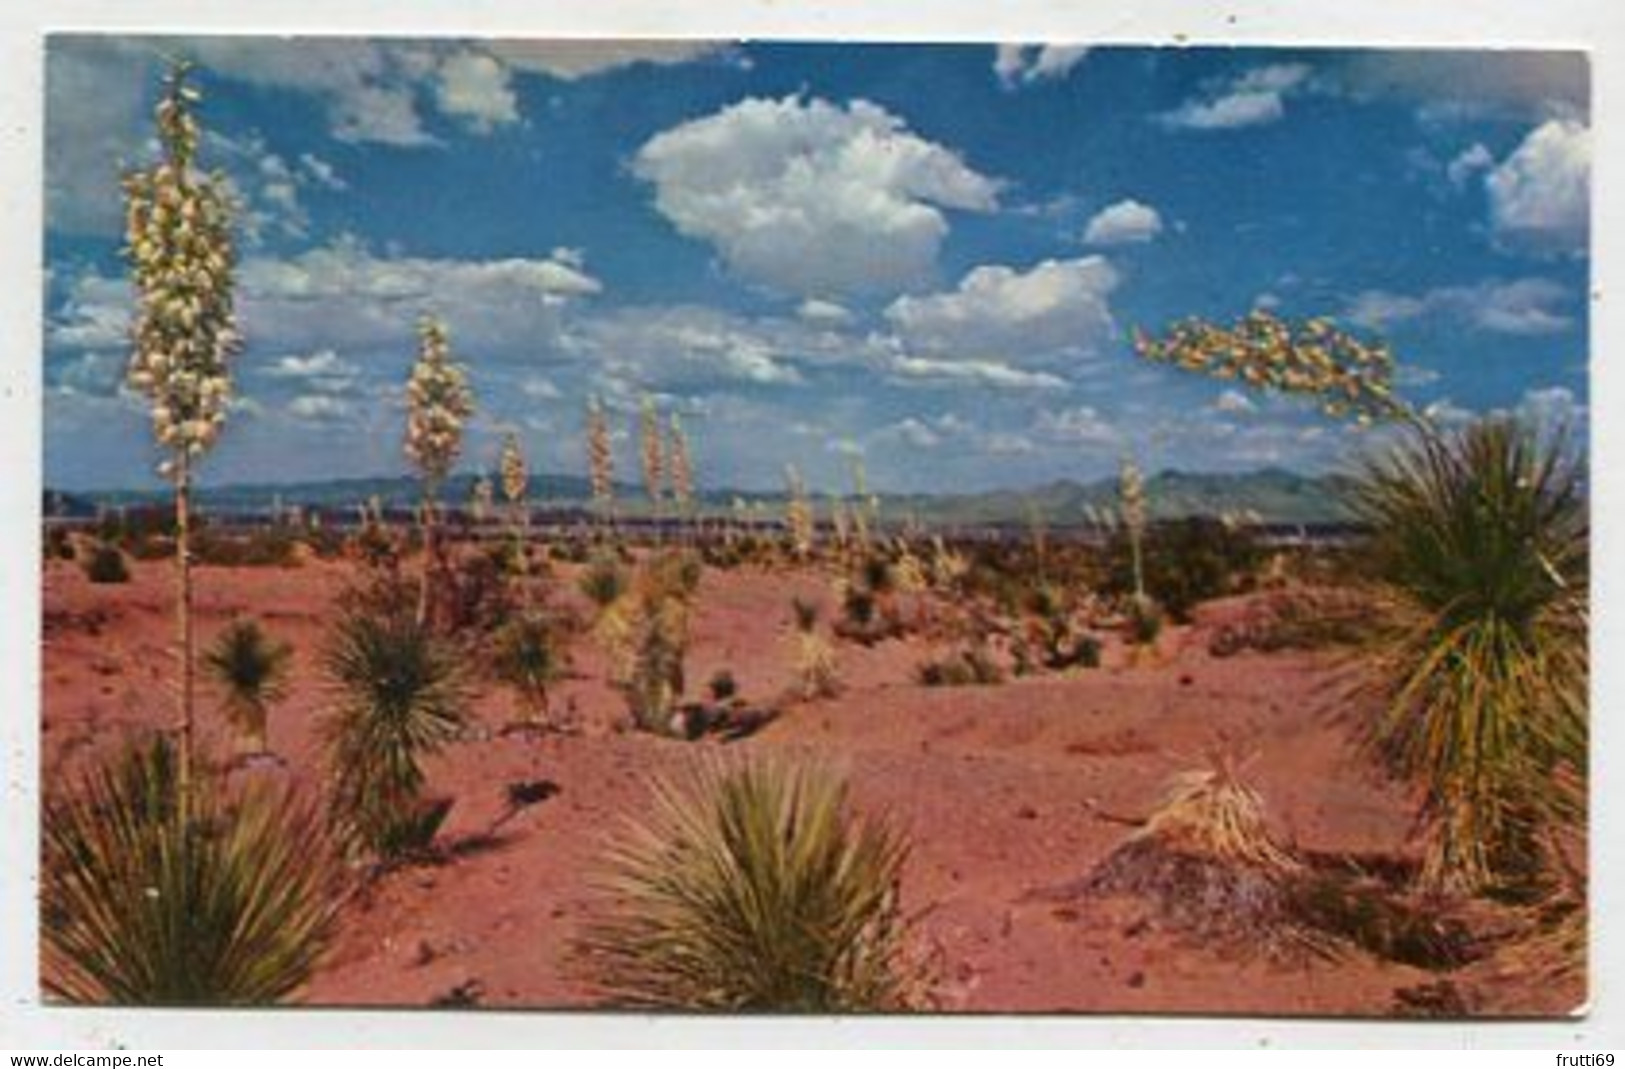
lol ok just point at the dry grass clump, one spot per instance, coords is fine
(817, 673)
(754, 887)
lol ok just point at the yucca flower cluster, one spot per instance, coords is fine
(680, 464)
(181, 257)
(600, 458)
(798, 513)
(1346, 375)
(438, 403)
(651, 452)
(512, 470)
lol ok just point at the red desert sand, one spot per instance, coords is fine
(1011, 793)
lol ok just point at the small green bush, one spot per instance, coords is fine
(106, 564)
(1186, 562)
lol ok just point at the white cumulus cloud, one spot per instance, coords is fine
(1250, 99)
(809, 197)
(1127, 222)
(1540, 195)
(1056, 306)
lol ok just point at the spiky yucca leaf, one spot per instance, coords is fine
(252, 673)
(400, 696)
(754, 887)
(1480, 536)
(140, 907)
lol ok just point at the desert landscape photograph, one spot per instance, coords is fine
(815, 527)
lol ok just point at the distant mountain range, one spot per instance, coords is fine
(1273, 495)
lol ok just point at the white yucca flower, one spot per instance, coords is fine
(179, 248)
(483, 499)
(515, 475)
(651, 452)
(798, 515)
(600, 458)
(439, 402)
(681, 465)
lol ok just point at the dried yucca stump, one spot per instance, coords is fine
(1205, 864)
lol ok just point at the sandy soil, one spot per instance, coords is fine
(1002, 788)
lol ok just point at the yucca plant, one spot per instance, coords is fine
(754, 887)
(1480, 539)
(399, 698)
(144, 905)
(251, 671)
(178, 243)
(528, 659)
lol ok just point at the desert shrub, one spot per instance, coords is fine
(1300, 619)
(252, 673)
(816, 671)
(273, 547)
(722, 687)
(859, 605)
(754, 887)
(472, 594)
(605, 579)
(138, 907)
(398, 697)
(1480, 537)
(646, 634)
(972, 666)
(1186, 561)
(1144, 621)
(106, 565)
(528, 657)
(58, 544)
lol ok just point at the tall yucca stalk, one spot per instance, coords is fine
(652, 454)
(865, 507)
(600, 461)
(438, 404)
(798, 513)
(179, 248)
(1480, 537)
(1131, 501)
(754, 887)
(680, 463)
(515, 477)
(145, 905)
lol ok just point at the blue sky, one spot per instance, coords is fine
(929, 256)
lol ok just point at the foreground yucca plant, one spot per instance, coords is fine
(144, 906)
(399, 698)
(1480, 537)
(754, 887)
(251, 671)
